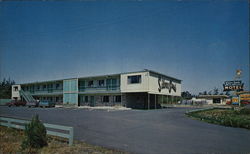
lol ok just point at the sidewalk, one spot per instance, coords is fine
(120, 108)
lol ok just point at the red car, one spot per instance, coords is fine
(245, 102)
(228, 102)
(16, 103)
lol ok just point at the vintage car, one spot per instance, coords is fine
(32, 104)
(16, 103)
(46, 104)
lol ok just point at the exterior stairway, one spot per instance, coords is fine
(26, 96)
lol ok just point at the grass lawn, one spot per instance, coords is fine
(11, 140)
(226, 117)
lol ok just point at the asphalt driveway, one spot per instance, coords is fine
(142, 131)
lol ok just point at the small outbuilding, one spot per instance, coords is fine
(214, 99)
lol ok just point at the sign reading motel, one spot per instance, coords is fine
(233, 85)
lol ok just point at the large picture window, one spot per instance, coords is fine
(134, 79)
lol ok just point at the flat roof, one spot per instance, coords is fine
(172, 78)
(212, 96)
(107, 75)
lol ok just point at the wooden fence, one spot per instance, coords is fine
(57, 130)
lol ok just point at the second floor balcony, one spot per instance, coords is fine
(44, 91)
(110, 88)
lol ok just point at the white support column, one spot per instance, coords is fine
(148, 101)
(155, 101)
(161, 100)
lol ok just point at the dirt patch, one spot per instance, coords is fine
(11, 140)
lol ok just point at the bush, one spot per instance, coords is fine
(233, 118)
(245, 111)
(35, 134)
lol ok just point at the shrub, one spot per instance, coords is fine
(245, 111)
(232, 118)
(35, 134)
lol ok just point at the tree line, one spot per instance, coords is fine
(5, 88)
(215, 91)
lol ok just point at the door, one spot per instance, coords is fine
(111, 84)
(92, 101)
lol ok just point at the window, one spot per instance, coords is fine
(44, 86)
(216, 100)
(105, 99)
(86, 98)
(101, 83)
(118, 98)
(50, 86)
(16, 88)
(134, 79)
(91, 83)
(57, 85)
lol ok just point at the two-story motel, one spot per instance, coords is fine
(142, 89)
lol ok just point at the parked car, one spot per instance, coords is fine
(46, 104)
(32, 104)
(16, 103)
(245, 102)
(228, 102)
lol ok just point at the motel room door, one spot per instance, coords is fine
(92, 101)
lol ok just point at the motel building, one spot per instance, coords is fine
(141, 90)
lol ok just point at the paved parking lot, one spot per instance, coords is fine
(142, 131)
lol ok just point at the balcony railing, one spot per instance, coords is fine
(44, 91)
(99, 88)
(81, 89)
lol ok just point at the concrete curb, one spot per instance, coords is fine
(110, 108)
(209, 108)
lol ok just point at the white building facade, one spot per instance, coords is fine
(142, 90)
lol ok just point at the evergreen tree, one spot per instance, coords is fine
(216, 91)
(35, 134)
(5, 88)
(186, 95)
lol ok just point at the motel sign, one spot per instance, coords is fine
(233, 85)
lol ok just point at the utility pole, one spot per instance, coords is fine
(237, 76)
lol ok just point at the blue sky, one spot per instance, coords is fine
(199, 42)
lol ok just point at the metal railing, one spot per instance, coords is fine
(99, 88)
(26, 96)
(48, 90)
(20, 124)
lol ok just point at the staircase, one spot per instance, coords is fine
(26, 96)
